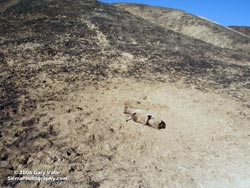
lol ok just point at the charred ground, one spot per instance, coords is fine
(50, 49)
(190, 25)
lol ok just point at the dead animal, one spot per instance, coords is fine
(144, 117)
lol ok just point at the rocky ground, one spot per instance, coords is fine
(69, 68)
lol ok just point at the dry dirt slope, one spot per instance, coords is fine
(86, 138)
(242, 29)
(190, 25)
(65, 79)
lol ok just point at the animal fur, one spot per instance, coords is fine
(144, 117)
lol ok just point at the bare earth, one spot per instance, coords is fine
(65, 79)
(205, 145)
